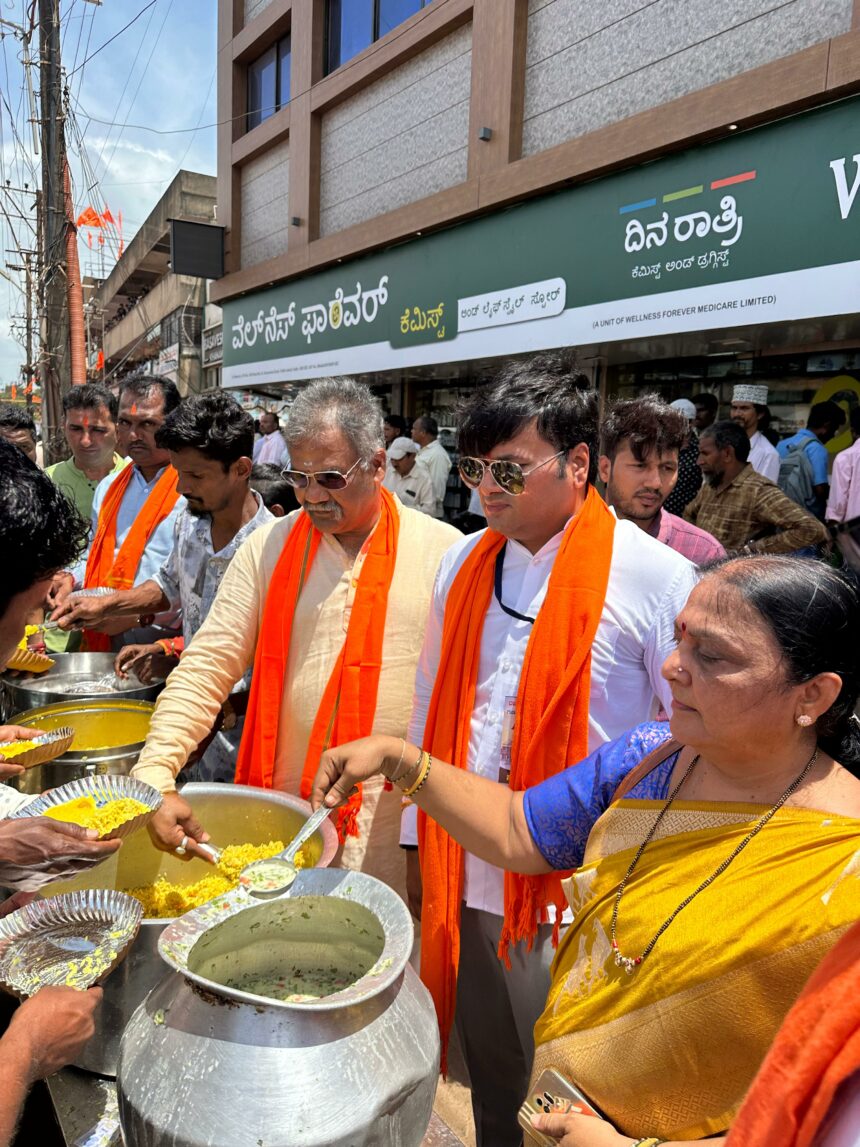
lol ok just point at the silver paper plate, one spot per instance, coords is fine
(46, 747)
(103, 788)
(74, 940)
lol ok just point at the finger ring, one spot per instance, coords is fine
(180, 849)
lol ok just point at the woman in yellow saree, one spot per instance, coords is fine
(714, 877)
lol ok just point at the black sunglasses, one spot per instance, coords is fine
(327, 479)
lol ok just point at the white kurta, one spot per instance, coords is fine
(764, 458)
(223, 650)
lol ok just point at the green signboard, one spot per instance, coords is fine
(760, 227)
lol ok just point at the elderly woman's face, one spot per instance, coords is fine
(726, 674)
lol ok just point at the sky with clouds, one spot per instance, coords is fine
(159, 73)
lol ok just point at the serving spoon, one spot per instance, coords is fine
(266, 879)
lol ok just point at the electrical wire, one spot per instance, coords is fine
(344, 68)
(107, 162)
(129, 74)
(115, 36)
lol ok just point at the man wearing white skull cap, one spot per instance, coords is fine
(749, 405)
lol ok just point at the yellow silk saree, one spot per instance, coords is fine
(671, 1049)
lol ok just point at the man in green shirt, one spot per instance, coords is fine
(89, 424)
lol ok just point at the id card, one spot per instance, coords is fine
(507, 739)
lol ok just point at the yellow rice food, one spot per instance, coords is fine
(12, 748)
(103, 818)
(163, 899)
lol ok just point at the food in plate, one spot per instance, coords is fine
(164, 899)
(104, 818)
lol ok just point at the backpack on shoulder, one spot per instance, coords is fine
(796, 478)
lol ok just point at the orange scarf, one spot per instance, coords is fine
(348, 704)
(551, 729)
(106, 566)
(815, 1050)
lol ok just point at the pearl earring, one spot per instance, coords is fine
(804, 720)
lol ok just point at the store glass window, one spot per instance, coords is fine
(269, 82)
(353, 25)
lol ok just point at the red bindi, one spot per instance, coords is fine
(86, 423)
(134, 408)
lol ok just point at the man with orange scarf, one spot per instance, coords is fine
(545, 639)
(327, 605)
(134, 514)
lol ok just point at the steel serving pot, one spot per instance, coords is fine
(210, 1059)
(68, 680)
(231, 814)
(109, 736)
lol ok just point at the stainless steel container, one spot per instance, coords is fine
(231, 814)
(68, 680)
(109, 736)
(206, 1064)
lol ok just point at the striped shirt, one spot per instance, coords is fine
(685, 538)
(752, 513)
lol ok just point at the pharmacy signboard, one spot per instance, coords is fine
(761, 227)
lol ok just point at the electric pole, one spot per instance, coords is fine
(55, 357)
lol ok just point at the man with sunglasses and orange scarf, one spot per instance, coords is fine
(545, 639)
(328, 606)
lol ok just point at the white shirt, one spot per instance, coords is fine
(155, 553)
(764, 458)
(648, 585)
(437, 460)
(475, 506)
(272, 448)
(415, 490)
(842, 1127)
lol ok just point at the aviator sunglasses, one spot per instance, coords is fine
(326, 479)
(508, 476)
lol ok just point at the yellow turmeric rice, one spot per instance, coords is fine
(163, 899)
(103, 818)
(13, 748)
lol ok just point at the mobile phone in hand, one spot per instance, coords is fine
(552, 1094)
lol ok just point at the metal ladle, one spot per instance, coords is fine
(266, 879)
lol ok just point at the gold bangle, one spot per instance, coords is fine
(648, 1141)
(425, 762)
(423, 780)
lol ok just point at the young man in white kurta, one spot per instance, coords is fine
(648, 584)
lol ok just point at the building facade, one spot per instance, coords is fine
(413, 189)
(142, 316)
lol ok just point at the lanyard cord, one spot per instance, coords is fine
(500, 565)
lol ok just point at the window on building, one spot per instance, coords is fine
(353, 25)
(269, 82)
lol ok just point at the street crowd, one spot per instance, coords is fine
(598, 729)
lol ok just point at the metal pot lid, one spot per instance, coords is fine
(225, 924)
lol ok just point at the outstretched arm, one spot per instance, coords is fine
(486, 818)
